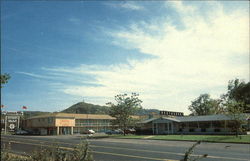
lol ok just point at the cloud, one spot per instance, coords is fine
(126, 5)
(35, 75)
(196, 59)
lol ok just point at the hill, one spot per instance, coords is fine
(87, 108)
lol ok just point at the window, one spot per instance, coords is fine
(50, 120)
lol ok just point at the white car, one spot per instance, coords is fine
(91, 131)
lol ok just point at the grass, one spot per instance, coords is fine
(210, 138)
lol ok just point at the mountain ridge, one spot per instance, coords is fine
(88, 108)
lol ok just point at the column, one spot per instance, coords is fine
(172, 125)
(225, 125)
(57, 130)
(168, 127)
(157, 128)
(153, 128)
(72, 130)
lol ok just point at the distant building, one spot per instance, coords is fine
(67, 123)
(209, 124)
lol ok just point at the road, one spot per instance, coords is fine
(107, 149)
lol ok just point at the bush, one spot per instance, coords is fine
(52, 153)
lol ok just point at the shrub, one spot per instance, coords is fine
(81, 152)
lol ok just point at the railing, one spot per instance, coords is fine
(93, 124)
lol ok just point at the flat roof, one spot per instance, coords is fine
(78, 116)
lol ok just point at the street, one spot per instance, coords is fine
(110, 149)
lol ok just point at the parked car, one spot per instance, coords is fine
(130, 131)
(33, 132)
(21, 132)
(89, 131)
(117, 131)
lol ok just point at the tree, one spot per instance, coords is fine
(123, 110)
(239, 91)
(235, 112)
(204, 105)
(4, 78)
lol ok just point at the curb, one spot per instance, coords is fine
(186, 140)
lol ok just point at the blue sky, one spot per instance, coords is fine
(59, 53)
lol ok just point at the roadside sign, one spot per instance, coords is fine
(12, 126)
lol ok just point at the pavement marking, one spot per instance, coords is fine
(147, 137)
(98, 152)
(133, 156)
(107, 147)
(129, 149)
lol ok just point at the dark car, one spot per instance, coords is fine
(33, 132)
(130, 131)
(21, 132)
(110, 132)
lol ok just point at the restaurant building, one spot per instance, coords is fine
(179, 124)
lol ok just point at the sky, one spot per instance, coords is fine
(59, 53)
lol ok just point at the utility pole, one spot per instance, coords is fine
(5, 124)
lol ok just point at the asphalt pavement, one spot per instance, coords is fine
(110, 149)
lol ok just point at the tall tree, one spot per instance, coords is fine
(235, 112)
(4, 79)
(125, 107)
(239, 91)
(204, 105)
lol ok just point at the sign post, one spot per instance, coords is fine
(12, 121)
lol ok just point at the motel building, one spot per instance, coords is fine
(164, 122)
(66, 123)
(176, 123)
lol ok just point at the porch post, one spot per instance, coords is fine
(153, 129)
(57, 130)
(71, 130)
(172, 125)
(168, 127)
(225, 125)
(157, 130)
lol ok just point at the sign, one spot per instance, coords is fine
(11, 120)
(171, 113)
(12, 126)
(64, 122)
(11, 113)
